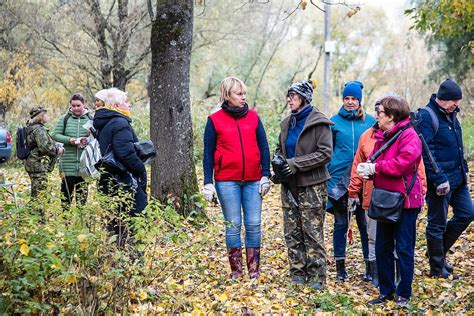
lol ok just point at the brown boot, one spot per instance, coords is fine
(235, 261)
(253, 262)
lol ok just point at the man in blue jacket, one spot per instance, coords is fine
(448, 185)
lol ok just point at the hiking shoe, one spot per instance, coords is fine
(381, 299)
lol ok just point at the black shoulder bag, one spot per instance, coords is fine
(385, 205)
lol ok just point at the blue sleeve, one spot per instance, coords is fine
(264, 150)
(210, 140)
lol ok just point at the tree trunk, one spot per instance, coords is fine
(173, 175)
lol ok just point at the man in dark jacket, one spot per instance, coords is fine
(116, 135)
(449, 186)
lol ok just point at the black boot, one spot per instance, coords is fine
(447, 266)
(341, 274)
(436, 258)
(375, 273)
(368, 271)
(450, 237)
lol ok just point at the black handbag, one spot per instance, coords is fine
(110, 164)
(146, 150)
(385, 205)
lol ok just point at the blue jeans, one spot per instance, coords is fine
(234, 197)
(438, 226)
(400, 236)
(341, 224)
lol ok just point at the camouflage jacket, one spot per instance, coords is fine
(43, 155)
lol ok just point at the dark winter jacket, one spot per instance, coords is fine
(115, 133)
(313, 149)
(446, 146)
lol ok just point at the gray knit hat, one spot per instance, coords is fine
(303, 88)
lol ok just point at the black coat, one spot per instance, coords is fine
(115, 133)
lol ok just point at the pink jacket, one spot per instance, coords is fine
(394, 168)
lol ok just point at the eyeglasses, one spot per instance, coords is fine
(378, 111)
(291, 95)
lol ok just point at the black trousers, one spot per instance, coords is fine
(71, 184)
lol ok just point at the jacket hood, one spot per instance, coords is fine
(102, 116)
(315, 117)
(347, 114)
(74, 115)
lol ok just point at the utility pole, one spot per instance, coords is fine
(329, 47)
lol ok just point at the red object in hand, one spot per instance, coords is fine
(349, 236)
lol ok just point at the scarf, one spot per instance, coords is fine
(236, 112)
(126, 113)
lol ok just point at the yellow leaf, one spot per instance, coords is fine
(83, 245)
(21, 241)
(223, 297)
(24, 249)
(81, 238)
(7, 238)
(70, 279)
(143, 295)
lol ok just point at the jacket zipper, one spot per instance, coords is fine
(353, 136)
(219, 165)
(242, 150)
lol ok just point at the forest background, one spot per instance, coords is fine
(50, 49)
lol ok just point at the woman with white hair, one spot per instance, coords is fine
(116, 136)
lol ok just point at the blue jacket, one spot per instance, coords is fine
(115, 133)
(446, 146)
(345, 136)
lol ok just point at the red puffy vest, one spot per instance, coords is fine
(237, 156)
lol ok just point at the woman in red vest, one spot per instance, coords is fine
(236, 153)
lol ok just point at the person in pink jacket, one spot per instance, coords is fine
(393, 170)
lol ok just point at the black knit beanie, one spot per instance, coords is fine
(449, 90)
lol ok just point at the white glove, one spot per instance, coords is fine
(352, 204)
(443, 188)
(264, 186)
(366, 169)
(208, 192)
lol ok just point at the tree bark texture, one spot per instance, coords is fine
(173, 174)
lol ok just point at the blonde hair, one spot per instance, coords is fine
(38, 118)
(114, 96)
(229, 84)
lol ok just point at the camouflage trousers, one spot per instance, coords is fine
(39, 183)
(304, 231)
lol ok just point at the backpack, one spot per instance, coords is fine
(22, 148)
(89, 157)
(434, 118)
(68, 115)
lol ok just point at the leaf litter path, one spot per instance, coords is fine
(197, 278)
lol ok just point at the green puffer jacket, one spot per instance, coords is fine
(69, 161)
(42, 155)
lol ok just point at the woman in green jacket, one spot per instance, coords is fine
(70, 131)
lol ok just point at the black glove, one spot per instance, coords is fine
(280, 167)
